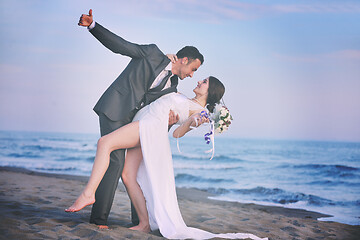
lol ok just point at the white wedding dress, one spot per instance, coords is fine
(156, 174)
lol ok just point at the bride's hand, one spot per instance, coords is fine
(198, 119)
(173, 58)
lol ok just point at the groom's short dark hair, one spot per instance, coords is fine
(191, 53)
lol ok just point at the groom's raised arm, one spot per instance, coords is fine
(119, 45)
(114, 42)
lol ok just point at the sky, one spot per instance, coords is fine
(291, 68)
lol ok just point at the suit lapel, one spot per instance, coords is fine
(158, 70)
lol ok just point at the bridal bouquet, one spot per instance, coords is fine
(222, 118)
(220, 121)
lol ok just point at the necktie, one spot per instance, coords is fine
(158, 91)
(174, 81)
(162, 84)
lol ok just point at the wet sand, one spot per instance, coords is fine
(32, 207)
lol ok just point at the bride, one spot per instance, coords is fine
(148, 171)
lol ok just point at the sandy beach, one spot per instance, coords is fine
(32, 207)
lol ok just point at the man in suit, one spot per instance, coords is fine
(149, 75)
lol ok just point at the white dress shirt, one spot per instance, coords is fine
(162, 74)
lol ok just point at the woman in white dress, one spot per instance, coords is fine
(148, 171)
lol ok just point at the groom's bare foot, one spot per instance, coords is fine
(81, 202)
(142, 228)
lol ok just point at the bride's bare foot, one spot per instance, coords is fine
(81, 202)
(142, 228)
(103, 227)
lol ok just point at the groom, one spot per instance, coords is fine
(148, 76)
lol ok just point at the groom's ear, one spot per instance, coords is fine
(184, 60)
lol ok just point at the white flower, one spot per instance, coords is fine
(221, 118)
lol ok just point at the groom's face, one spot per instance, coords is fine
(188, 68)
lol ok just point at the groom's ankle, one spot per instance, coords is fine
(135, 222)
(98, 222)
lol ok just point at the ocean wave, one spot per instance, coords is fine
(334, 171)
(8, 139)
(24, 155)
(78, 147)
(39, 148)
(72, 158)
(182, 177)
(51, 169)
(327, 167)
(189, 156)
(55, 139)
(228, 158)
(334, 183)
(220, 157)
(274, 195)
(207, 166)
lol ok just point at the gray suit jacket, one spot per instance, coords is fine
(125, 94)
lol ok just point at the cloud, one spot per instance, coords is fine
(240, 10)
(220, 10)
(213, 11)
(10, 68)
(318, 8)
(352, 55)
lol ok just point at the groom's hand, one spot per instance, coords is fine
(86, 20)
(173, 118)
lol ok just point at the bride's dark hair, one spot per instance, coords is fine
(215, 93)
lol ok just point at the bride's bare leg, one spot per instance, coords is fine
(124, 137)
(131, 166)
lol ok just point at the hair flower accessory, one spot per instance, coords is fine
(221, 118)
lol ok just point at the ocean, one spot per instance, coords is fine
(312, 175)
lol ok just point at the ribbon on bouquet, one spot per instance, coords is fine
(209, 137)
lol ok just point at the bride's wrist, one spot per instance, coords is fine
(193, 122)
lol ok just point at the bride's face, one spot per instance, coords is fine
(202, 87)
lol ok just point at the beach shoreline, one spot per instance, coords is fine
(33, 203)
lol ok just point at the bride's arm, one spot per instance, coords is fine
(194, 120)
(173, 58)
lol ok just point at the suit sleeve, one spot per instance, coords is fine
(119, 45)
